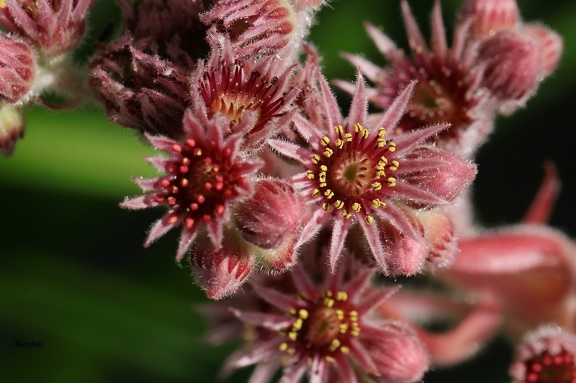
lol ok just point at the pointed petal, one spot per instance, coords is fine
(186, 239)
(407, 140)
(312, 226)
(275, 298)
(384, 44)
(397, 109)
(543, 202)
(307, 130)
(376, 298)
(302, 281)
(397, 217)
(344, 369)
(293, 373)
(406, 191)
(140, 202)
(291, 150)
(415, 39)
(373, 238)
(339, 232)
(329, 105)
(359, 105)
(159, 228)
(362, 356)
(368, 68)
(439, 44)
(270, 321)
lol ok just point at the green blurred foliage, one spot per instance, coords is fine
(73, 273)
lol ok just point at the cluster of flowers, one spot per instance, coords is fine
(277, 191)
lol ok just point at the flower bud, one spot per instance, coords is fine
(17, 69)
(221, 271)
(439, 232)
(11, 128)
(490, 16)
(398, 354)
(272, 214)
(512, 66)
(55, 27)
(551, 44)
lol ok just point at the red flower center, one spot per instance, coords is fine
(548, 368)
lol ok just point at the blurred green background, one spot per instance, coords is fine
(74, 275)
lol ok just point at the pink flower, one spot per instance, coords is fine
(489, 17)
(448, 88)
(54, 27)
(204, 175)
(254, 95)
(354, 175)
(328, 331)
(546, 355)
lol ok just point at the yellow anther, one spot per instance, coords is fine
(327, 293)
(324, 168)
(376, 203)
(292, 311)
(339, 129)
(358, 128)
(315, 193)
(365, 133)
(343, 328)
(339, 143)
(391, 146)
(326, 206)
(348, 137)
(356, 207)
(322, 184)
(344, 350)
(342, 295)
(353, 314)
(328, 302)
(328, 152)
(391, 181)
(381, 142)
(376, 186)
(293, 335)
(340, 314)
(303, 313)
(338, 204)
(380, 173)
(394, 165)
(315, 158)
(324, 141)
(310, 174)
(381, 132)
(355, 332)
(334, 345)
(330, 359)
(329, 193)
(297, 325)
(346, 214)
(291, 351)
(383, 160)
(283, 346)
(369, 219)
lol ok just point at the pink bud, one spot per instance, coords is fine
(512, 65)
(221, 271)
(447, 179)
(272, 215)
(398, 354)
(547, 354)
(11, 128)
(17, 69)
(551, 44)
(439, 232)
(490, 16)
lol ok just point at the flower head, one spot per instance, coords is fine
(253, 94)
(204, 175)
(17, 69)
(354, 174)
(448, 88)
(53, 26)
(546, 355)
(327, 330)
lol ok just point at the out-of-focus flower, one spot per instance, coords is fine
(204, 175)
(546, 355)
(54, 27)
(11, 128)
(327, 331)
(448, 88)
(550, 46)
(354, 175)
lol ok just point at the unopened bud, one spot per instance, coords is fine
(490, 16)
(11, 128)
(17, 69)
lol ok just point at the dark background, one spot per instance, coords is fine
(73, 273)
